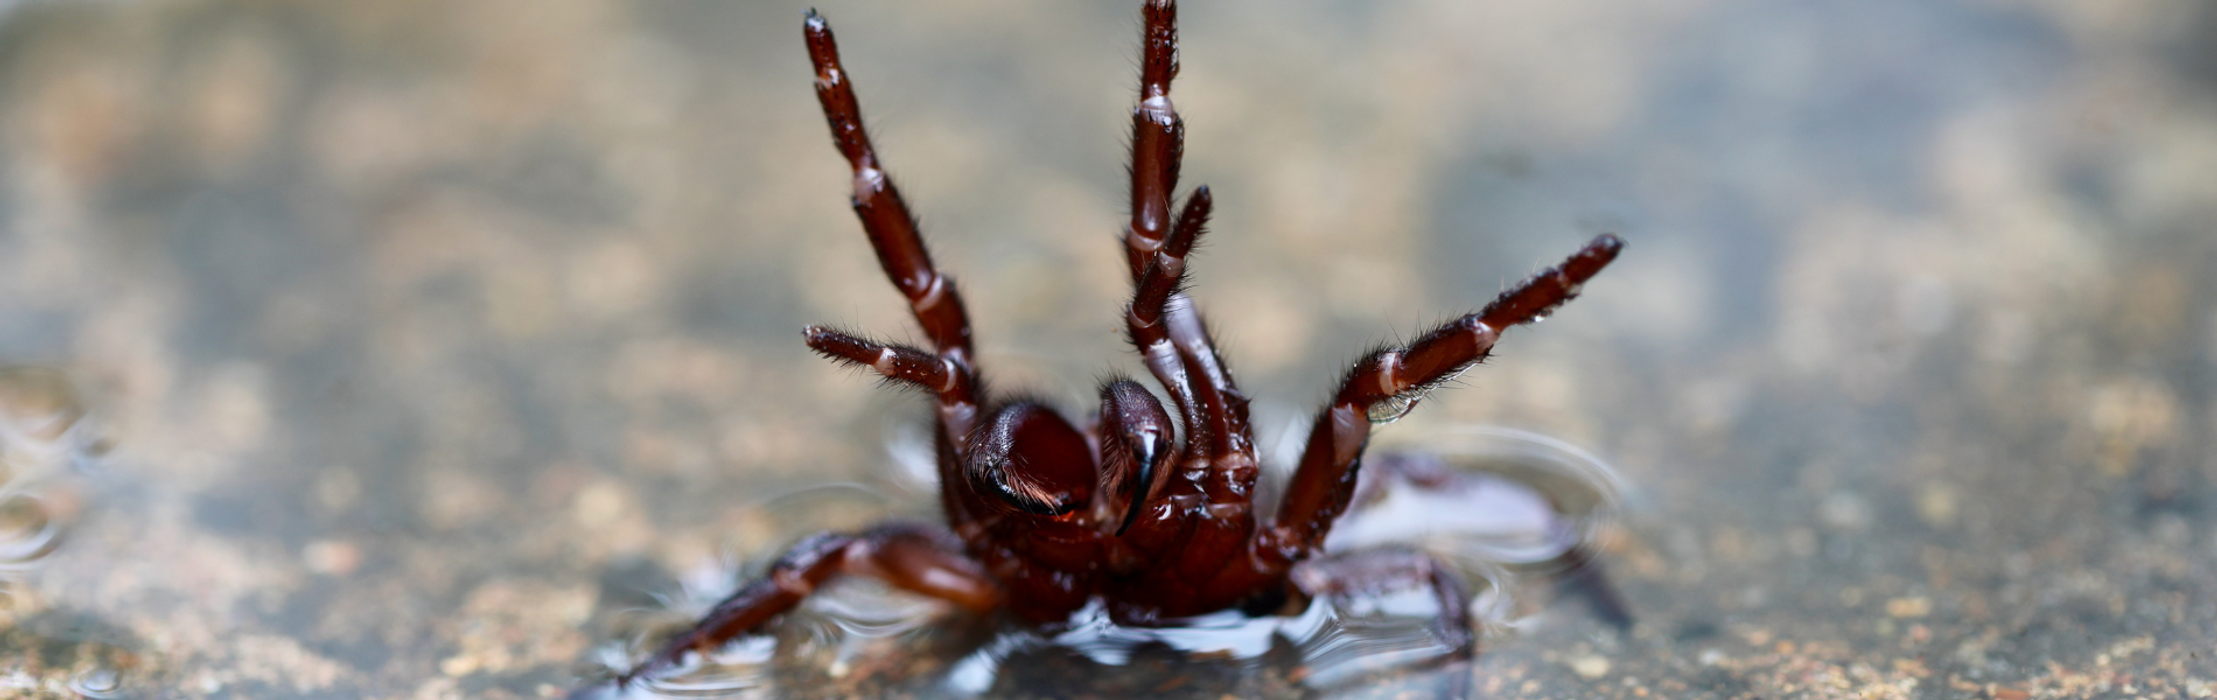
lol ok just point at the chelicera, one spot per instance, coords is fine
(1147, 510)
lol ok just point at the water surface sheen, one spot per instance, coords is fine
(49, 447)
(1516, 513)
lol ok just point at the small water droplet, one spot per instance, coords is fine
(97, 683)
(28, 530)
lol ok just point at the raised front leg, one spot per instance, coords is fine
(1213, 518)
(910, 556)
(892, 230)
(1215, 412)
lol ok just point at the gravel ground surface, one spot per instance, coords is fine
(408, 349)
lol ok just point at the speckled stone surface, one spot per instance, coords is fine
(417, 347)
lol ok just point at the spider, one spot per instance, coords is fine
(1148, 513)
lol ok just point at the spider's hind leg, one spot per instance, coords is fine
(913, 557)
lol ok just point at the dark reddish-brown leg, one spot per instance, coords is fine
(942, 376)
(885, 217)
(1218, 456)
(1345, 577)
(1154, 247)
(900, 363)
(1146, 320)
(910, 556)
(892, 231)
(1158, 136)
(1152, 239)
(1389, 380)
(1158, 267)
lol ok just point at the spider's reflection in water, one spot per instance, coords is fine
(1516, 512)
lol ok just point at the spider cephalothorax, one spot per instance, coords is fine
(1145, 509)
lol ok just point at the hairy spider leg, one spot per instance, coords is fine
(1007, 475)
(1158, 141)
(1146, 317)
(1145, 325)
(910, 556)
(1158, 136)
(1344, 578)
(899, 363)
(1325, 481)
(955, 390)
(1207, 514)
(1158, 148)
(892, 230)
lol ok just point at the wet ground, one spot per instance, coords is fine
(412, 350)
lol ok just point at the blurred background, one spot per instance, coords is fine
(393, 349)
